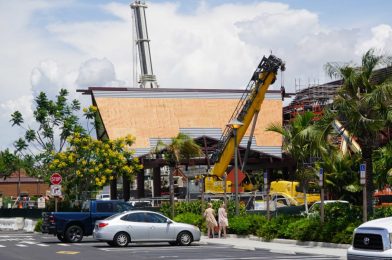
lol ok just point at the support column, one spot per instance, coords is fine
(140, 184)
(157, 181)
(126, 187)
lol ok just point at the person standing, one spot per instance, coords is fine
(209, 215)
(222, 219)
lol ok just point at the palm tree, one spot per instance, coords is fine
(300, 142)
(363, 106)
(182, 148)
(383, 165)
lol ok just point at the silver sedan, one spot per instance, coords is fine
(144, 226)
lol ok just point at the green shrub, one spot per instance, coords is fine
(382, 212)
(256, 222)
(239, 225)
(346, 235)
(190, 218)
(273, 228)
(38, 225)
(304, 229)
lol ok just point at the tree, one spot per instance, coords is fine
(363, 106)
(9, 163)
(182, 148)
(55, 121)
(300, 142)
(87, 164)
(383, 165)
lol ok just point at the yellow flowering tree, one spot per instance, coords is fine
(88, 164)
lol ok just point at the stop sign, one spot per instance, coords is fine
(55, 179)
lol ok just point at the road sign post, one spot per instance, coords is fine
(55, 188)
(362, 172)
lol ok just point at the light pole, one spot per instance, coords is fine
(235, 124)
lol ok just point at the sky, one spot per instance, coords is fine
(75, 44)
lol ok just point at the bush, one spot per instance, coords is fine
(190, 218)
(38, 225)
(239, 225)
(382, 212)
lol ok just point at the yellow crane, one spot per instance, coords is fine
(249, 104)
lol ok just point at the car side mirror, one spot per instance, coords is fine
(169, 221)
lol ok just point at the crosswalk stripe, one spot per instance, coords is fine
(41, 245)
(21, 245)
(2, 246)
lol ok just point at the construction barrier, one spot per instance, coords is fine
(17, 224)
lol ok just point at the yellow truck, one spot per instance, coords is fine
(293, 190)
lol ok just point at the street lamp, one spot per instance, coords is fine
(235, 124)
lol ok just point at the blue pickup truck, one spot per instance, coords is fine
(72, 226)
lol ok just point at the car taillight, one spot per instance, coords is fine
(102, 224)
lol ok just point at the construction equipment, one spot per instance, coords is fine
(247, 107)
(347, 139)
(147, 77)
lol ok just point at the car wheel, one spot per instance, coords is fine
(74, 234)
(111, 243)
(61, 237)
(121, 239)
(173, 243)
(184, 238)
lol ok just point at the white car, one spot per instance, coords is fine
(144, 226)
(372, 240)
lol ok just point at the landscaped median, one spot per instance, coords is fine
(340, 222)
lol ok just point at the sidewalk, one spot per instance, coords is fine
(280, 245)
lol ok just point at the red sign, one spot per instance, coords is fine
(55, 179)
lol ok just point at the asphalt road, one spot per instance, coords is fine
(17, 246)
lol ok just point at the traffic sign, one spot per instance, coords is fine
(362, 171)
(56, 179)
(321, 178)
(55, 190)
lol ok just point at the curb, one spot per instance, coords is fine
(292, 242)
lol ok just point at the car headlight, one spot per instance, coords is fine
(197, 229)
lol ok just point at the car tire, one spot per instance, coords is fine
(74, 234)
(173, 243)
(184, 238)
(61, 238)
(121, 239)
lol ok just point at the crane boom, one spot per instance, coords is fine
(249, 104)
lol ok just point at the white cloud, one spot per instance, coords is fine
(380, 40)
(97, 72)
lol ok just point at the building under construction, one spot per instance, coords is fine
(315, 96)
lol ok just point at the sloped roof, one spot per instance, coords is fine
(160, 114)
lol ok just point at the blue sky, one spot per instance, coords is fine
(47, 45)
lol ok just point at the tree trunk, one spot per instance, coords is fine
(157, 182)
(113, 189)
(368, 158)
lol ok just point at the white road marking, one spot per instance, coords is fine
(42, 245)
(21, 245)
(29, 242)
(61, 244)
(2, 246)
